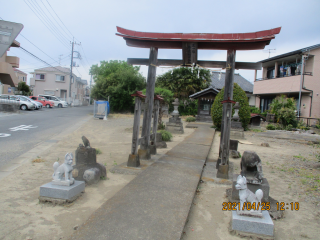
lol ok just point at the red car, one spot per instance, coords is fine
(45, 102)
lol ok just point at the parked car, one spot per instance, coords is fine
(57, 101)
(45, 102)
(24, 98)
(24, 105)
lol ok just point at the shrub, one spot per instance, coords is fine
(239, 96)
(255, 110)
(318, 125)
(271, 127)
(166, 136)
(279, 127)
(190, 119)
(284, 110)
(188, 107)
(301, 125)
(289, 127)
(161, 126)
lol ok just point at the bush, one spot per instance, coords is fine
(188, 107)
(289, 127)
(239, 96)
(301, 125)
(190, 119)
(255, 110)
(318, 125)
(166, 136)
(161, 126)
(284, 110)
(271, 127)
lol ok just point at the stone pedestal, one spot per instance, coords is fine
(261, 226)
(153, 149)
(236, 131)
(264, 186)
(133, 161)
(223, 171)
(233, 145)
(175, 125)
(144, 154)
(69, 193)
(85, 159)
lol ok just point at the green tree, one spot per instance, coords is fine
(22, 86)
(238, 96)
(167, 96)
(184, 81)
(118, 80)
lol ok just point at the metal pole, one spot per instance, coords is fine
(71, 70)
(90, 90)
(301, 81)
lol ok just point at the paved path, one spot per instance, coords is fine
(156, 204)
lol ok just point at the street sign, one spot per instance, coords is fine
(8, 33)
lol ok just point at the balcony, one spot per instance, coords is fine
(285, 76)
(279, 85)
(14, 61)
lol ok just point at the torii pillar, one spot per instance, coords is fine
(144, 151)
(223, 161)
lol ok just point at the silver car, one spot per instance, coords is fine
(24, 105)
(24, 98)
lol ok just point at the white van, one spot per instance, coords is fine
(57, 101)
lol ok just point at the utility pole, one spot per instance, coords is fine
(301, 82)
(71, 71)
(90, 90)
(60, 59)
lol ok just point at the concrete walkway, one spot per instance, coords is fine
(156, 204)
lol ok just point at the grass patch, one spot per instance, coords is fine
(38, 160)
(103, 178)
(256, 130)
(190, 119)
(166, 136)
(98, 151)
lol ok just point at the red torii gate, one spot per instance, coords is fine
(190, 43)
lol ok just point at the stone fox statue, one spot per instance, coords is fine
(64, 169)
(246, 195)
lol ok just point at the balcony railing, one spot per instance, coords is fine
(287, 75)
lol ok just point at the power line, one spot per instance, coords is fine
(40, 59)
(47, 19)
(45, 24)
(55, 19)
(59, 18)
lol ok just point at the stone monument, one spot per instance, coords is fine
(86, 159)
(175, 125)
(236, 131)
(63, 187)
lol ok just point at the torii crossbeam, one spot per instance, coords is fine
(190, 43)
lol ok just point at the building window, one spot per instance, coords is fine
(24, 79)
(48, 92)
(40, 76)
(59, 78)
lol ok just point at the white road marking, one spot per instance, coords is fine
(22, 127)
(5, 135)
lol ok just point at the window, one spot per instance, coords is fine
(34, 98)
(24, 79)
(40, 76)
(59, 78)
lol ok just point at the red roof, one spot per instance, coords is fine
(208, 41)
(200, 37)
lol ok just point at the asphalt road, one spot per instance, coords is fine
(19, 133)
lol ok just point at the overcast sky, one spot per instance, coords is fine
(93, 23)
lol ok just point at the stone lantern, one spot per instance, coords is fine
(175, 125)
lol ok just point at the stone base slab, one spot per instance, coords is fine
(263, 226)
(223, 171)
(175, 127)
(264, 186)
(50, 190)
(144, 154)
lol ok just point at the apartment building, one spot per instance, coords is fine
(56, 81)
(8, 77)
(285, 75)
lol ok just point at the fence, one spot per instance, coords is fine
(101, 109)
(309, 121)
(7, 105)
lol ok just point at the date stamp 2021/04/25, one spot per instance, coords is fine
(233, 206)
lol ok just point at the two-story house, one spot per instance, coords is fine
(22, 76)
(8, 78)
(56, 81)
(283, 75)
